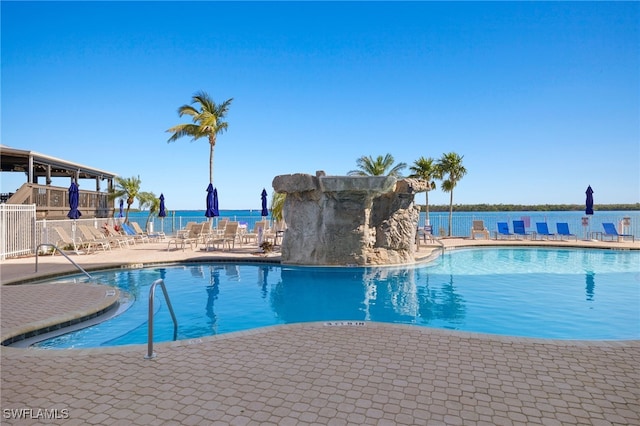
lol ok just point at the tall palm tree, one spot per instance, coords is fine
(277, 204)
(126, 187)
(381, 166)
(207, 122)
(148, 199)
(450, 165)
(425, 168)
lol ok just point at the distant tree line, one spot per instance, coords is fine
(533, 208)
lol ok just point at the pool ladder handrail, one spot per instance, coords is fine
(437, 240)
(150, 354)
(62, 253)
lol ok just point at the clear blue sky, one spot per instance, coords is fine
(541, 99)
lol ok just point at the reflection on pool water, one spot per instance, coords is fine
(547, 293)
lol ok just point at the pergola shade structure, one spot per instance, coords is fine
(52, 201)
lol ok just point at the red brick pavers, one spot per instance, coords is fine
(314, 373)
(319, 374)
(30, 307)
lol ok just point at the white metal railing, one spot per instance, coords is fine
(17, 235)
(462, 222)
(65, 255)
(21, 233)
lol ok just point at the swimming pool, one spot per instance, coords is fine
(531, 292)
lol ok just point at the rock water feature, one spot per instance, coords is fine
(349, 220)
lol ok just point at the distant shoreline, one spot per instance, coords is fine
(442, 208)
(525, 208)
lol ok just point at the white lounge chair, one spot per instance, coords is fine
(258, 228)
(88, 235)
(193, 237)
(479, 228)
(64, 241)
(229, 237)
(154, 236)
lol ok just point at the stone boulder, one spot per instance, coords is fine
(348, 220)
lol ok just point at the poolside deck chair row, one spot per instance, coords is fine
(63, 241)
(193, 234)
(542, 230)
(562, 228)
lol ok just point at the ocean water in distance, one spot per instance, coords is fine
(461, 221)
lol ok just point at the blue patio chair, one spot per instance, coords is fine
(563, 231)
(611, 232)
(503, 230)
(542, 229)
(128, 230)
(519, 229)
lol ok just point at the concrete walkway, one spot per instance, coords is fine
(314, 373)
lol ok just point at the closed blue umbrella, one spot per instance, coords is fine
(265, 210)
(121, 207)
(74, 197)
(216, 212)
(163, 211)
(212, 202)
(589, 202)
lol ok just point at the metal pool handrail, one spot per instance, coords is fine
(152, 291)
(62, 253)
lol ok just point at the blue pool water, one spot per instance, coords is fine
(546, 293)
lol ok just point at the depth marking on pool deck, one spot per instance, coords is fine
(343, 323)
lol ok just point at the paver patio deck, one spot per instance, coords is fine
(310, 373)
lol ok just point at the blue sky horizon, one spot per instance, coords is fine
(541, 99)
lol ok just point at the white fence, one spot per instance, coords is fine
(17, 233)
(21, 233)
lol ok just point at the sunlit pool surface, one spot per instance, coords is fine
(544, 293)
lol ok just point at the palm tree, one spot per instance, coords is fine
(425, 168)
(277, 204)
(126, 187)
(207, 122)
(148, 199)
(381, 166)
(450, 165)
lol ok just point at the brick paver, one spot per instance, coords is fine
(312, 373)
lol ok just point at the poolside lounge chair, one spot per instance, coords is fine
(193, 237)
(258, 230)
(503, 230)
(479, 228)
(121, 239)
(519, 229)
(275, 233)
(128, 230)
(152, 236)
(204, 232)
(88, 235)
(229, 237)
(610, 231)
(542, 230)
(113, 241)
(184, 232)
(219, 229)
(64, 241)
(563, 231)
